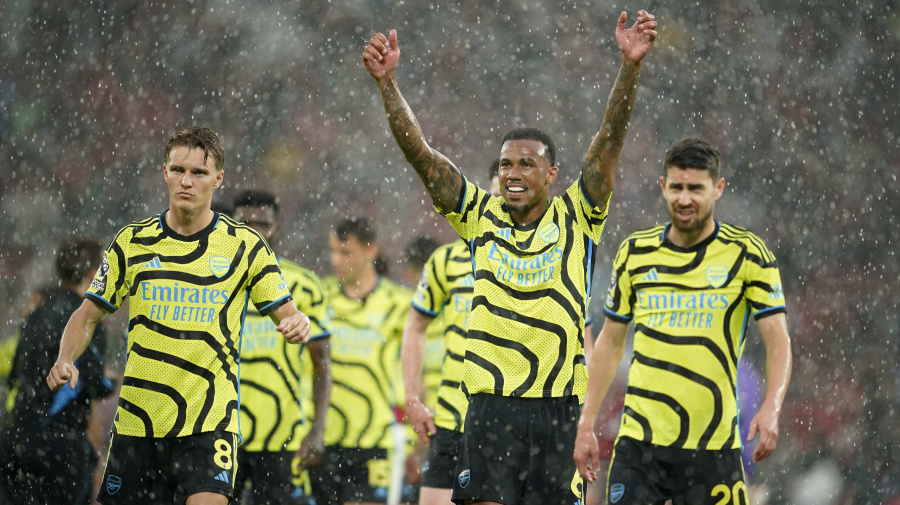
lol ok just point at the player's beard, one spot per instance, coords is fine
(696, 224)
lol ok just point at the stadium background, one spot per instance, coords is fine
(801, 97)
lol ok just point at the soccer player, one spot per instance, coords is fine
(440, 306)
(533, 257)
(415, 254)
(366, 312)
(47, 428)
(689, 286)
(188, 273)
(272, 410)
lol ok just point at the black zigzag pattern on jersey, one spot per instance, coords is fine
(699, 379)
(548, 293)
(367, 411)
(491, 368)
(138, 412)
(167, 390)
(684, 420)
(533, 360)
(645, 424)
(248, 437)
(457, 417)
(150, 354)
(197, 280)
(277, 369)
(120, 280)
(704, 342)
(271, 394)
(198, 252)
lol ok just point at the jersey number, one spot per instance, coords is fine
(222, 457)
(733, 493)
(379, 472)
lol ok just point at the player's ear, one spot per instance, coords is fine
(165, 173)
(220, 176)
(720, 187)
(551, 175)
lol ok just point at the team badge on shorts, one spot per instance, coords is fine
(615, 492)
(219, 265)
(716, 275)
(464, 478)
(113, 484)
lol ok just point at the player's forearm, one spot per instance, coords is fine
(608, 351)
(603, 154)
(412, 353)
(442, 180)
(779, 362)
(321, 383)
(77, 334)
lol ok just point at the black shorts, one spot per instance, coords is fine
(351, 475)
(439, 468)
(152, 470)
(519, 450)
(269, 474)
(645, 473)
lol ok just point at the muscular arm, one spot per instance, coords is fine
(75, 339)
(442, 179)
(599, 169)
(291, 323)
(412, 354)
(608, 352)
(778, 374)
(313, 446)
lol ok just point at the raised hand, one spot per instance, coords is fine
(636, 41)
(381, 55)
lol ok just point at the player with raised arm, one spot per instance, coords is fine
(272, 397)
(188, 274)
(533, 258)
(689, 286)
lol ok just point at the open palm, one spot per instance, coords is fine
(636, 41)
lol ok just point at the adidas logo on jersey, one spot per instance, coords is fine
(650, 276)
(223, 477)
(154, 263)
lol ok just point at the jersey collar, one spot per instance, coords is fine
(168, 232)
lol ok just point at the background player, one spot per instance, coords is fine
(689, 286)
(188, 274)
(440, 306)
(533, 261)
(46, 427)
(366, 312)
(272, 415)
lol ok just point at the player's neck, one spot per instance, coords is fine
(530, 215)
(188, 223)
(361, 286)
(688, 240)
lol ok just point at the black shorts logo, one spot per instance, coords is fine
(113, 484)
(615, 492)
(464, 478)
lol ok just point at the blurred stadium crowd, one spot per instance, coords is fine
(800, 97)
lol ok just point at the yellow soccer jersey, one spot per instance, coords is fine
(272, 416)
(690, 309)
(526, 327)
(188, 296)
(445, 293)
(365, 363)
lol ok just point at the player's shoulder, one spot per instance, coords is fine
(148, 227)
(647, 237)
(239, 230)
(753, 242)
(392, 289)
(331, 284)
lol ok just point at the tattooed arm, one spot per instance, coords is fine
(599, 171)
(442, 179)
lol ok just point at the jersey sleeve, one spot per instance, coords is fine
(763, 281)
(591, 216)
(430, 295)
(268, 289)
(619, 305)
(109, 288)
(466, 217)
